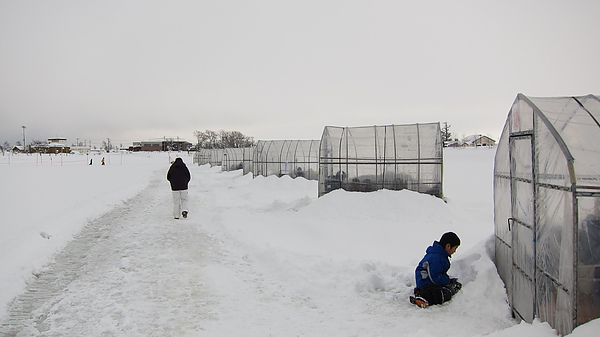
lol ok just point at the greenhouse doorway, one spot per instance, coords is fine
(522, 226)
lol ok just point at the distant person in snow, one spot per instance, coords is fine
(179, 177)
(434, 286)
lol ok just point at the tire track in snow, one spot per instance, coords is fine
(134, 271)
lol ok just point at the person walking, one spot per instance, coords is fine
(179, 177)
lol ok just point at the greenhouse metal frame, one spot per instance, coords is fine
(547, 209)
(369, 158)
(296, 158)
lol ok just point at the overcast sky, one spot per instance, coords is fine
(282, 69)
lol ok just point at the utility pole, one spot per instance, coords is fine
(24, 144)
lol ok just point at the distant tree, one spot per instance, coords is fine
(446, 134)
(36, 142)
(5, 147)
(235, 139)
(223, 139)
(207, 139)
(36, 146)
(107, 145)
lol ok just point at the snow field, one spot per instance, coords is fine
(256, 257)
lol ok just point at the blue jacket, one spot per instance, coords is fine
(433, 267)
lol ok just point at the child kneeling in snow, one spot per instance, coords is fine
(434, 286)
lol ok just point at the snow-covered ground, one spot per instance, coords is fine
(94, 251)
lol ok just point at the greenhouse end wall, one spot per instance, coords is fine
(547, 209)
(393, 157)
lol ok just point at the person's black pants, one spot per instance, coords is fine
(437, 294)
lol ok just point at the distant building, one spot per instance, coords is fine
(19, 149)
(162, 144)
(478, 140)
(54, 145)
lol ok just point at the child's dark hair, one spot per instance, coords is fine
(450, 238)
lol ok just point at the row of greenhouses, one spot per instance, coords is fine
(362, 159)
(295, 158)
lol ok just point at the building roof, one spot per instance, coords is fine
(473, 138)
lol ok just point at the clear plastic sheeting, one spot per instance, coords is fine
(230, 159)
(393, 157)
(237, 159)
(547, 209)
(214, 157)
(295, 158)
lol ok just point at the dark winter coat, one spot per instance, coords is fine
(433, 267)
(179, 175)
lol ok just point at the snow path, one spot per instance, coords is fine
(134, 271)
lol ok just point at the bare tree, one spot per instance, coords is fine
(5, 147)
(235, 139)
(107, 145)
(36, 146)
(223, 139)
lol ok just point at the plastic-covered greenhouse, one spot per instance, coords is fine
(214, 157)
(296, 158)
(237, 159)
(229, 159)
(393, 157)
(547, 209)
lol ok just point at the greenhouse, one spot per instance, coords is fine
(214, 157)
(229, 159)
(391, 157)
(237, 159)
(547, 209)
(296, 158)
